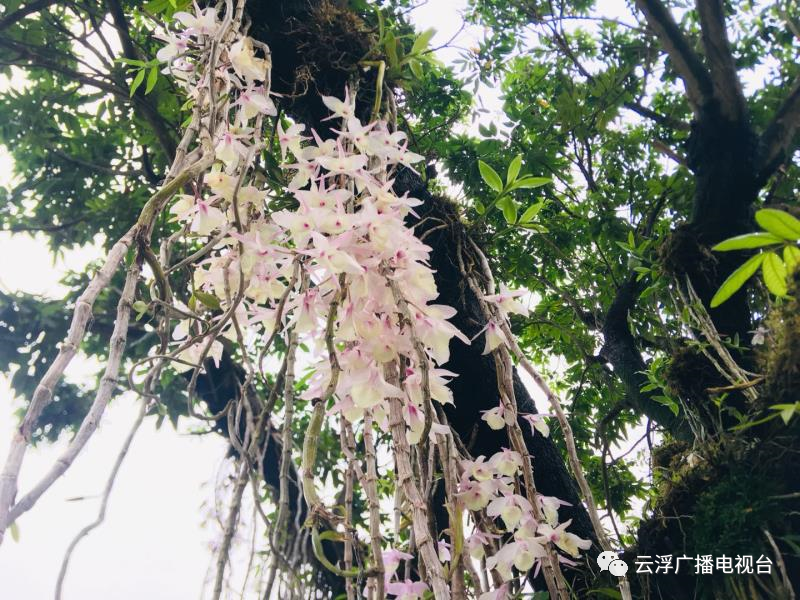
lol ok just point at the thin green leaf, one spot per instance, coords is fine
(479, 207)
(130, 61)
(779, 222)
(748, 240)
(513, 169)
(137, 81)
(152, 78)
(774, 274)
(209, 300)
(390, 46)
(416, 68)
(530, 182)
(737, 279)
(535, 227)
(509, 208)
(490, 176)
(531, 212)
(422, 41)
(787, 411)
(381, 24)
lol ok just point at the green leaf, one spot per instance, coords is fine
(787, 411)
(535, 227)
(479, 207)
(209, 300)
(490, 176)
(130, 61)
(737, 279)
(748, 240)
(774, 274)
(137, 81)
(529, 182)
(416, 68)
(791, 257)
(152, 78)
(390, 45)
(669, 403)
(531, 212)
(422, 41)
(509, 208)
(779, 222)
(381, 23)
(513, 169)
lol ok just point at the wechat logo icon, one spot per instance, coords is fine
(609, 561)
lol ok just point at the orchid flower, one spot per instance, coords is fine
(245, 63)
(229, 149)
(176, 45)
(506, 462)
(207, 218)
(550, 506)
(510, 508)
(202, 22)
(566, 541)
(391, 560)
(343, 163)
(494, 337)
(495, 417)
(500, 593)
(254, 102)
(407, 590)
(474, 494)
(291, 139)
(506, 301)
(538, 423)
(341, 109)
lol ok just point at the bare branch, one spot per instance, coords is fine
(230, 526)
(106, 494)
(108, 383)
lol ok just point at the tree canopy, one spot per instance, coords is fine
(323, 247)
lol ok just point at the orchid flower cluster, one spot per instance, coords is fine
(345, 274)
(489, 485)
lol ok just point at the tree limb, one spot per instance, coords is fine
(687, 63)
(21, 13)
(664, 120)
(619, 349)
(779, 138)
(727, 87)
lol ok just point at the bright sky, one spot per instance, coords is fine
(154, 543)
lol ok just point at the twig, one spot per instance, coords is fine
(104, 503)
(230, 526)
(108, 384)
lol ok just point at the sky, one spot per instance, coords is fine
(157, 537)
